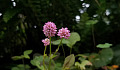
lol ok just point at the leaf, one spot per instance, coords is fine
(69, 61)
(57, 42)
(38, 62)
(26, 53)
(83, 64)
(74, 37)
(9, 14)
(15, 68)
(106, 45)
(17, 57)
(91, 22)
(104, 57)
(116, 59)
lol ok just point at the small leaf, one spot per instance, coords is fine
(27, 57)
(17, 57)
(27, 52)
(106, 45)
(69, 61)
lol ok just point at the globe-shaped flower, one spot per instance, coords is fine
(49, 29)
(46, 41)
(64, 33)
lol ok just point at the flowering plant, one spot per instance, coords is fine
(49, 30)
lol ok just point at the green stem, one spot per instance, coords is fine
(44, 57)
(50, 55)
(70, 50)
(58, 47)
(63, 50)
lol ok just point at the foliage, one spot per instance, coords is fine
(21, 67)
(106, 45)
(103, 58)
(69, 61)
(25, 55)
(9, 14)
(74, 37)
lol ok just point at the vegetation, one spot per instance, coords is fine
(94, 43)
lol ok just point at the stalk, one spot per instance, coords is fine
(50, 55)
(44, 57)
(58, 47)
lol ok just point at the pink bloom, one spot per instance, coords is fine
(64, 33)
(46, 41)
(49, 29)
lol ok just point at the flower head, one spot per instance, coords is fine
(64, 33)
(46, 41)
(49, 29)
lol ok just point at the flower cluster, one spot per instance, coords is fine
(46, 41)
(64, 33)
(49, 30)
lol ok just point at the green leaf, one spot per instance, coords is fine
(15, 68)
(17, 57)
(69, 61)
(116, 59)
(91, 22)
(26, 53)
(106, 45)
(57, 42)
(83, 64)
(104, 57)
(38, 62)
(74, 37)
(9, 14)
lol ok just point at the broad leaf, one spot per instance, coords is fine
(57, 42)
(74, 37)
(69, 61)
(104, 57)
(91, 22)
(106, 45)
(15, 68)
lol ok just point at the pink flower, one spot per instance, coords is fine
(49, 29)
(46, 41)
(64, 33)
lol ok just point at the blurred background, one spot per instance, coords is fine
(21, 24)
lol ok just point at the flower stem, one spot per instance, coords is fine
(58, 47)
(50, 55)
(63, 50)
(44, 57)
